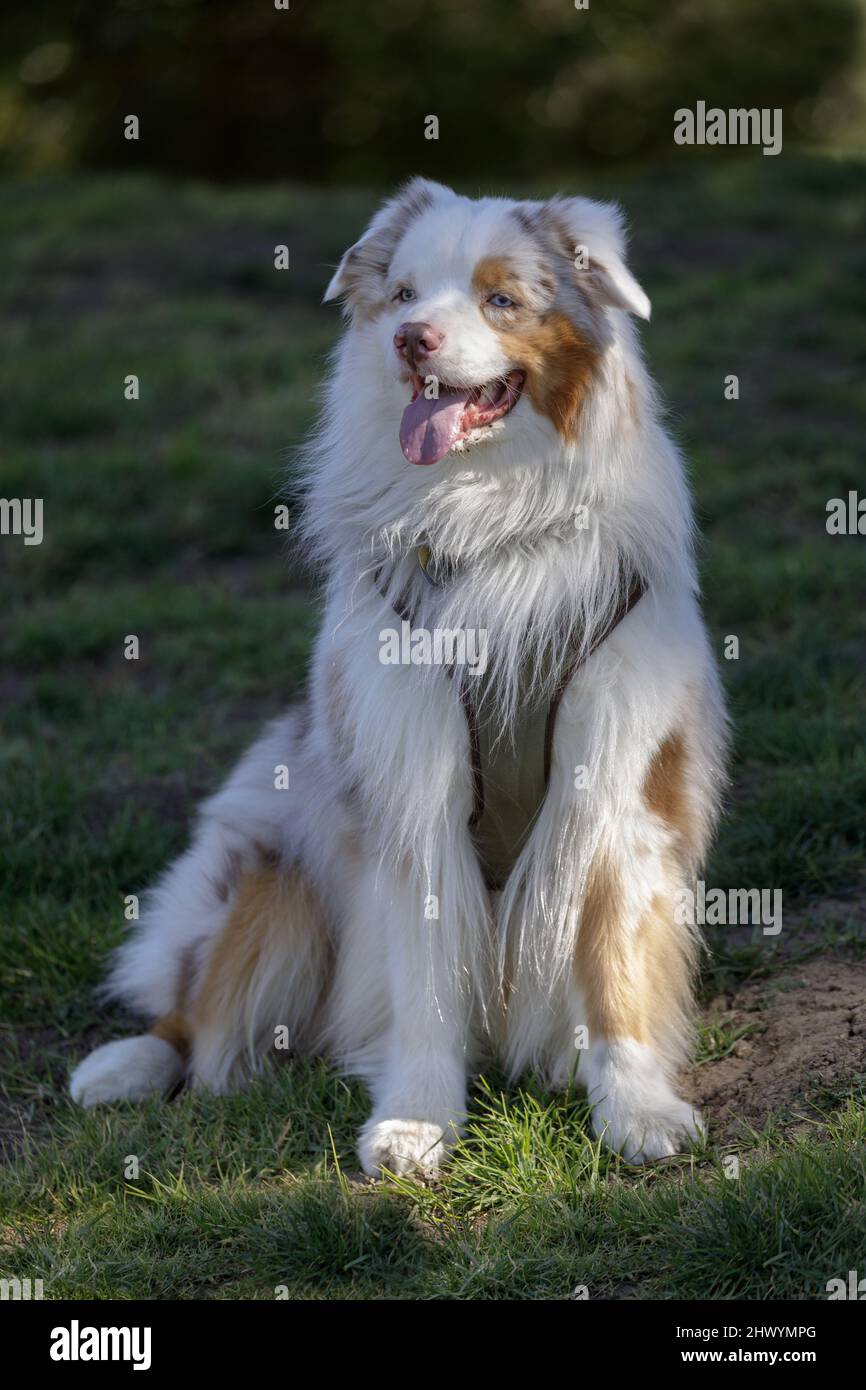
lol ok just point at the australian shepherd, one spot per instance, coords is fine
(470, 839)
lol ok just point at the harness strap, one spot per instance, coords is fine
(579, 658)
(626, 604)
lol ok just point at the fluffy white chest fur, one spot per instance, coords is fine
(488, 405)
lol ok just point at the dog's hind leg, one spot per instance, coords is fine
(234, 901)
(264, 981)
(149, 1063)
(258, 989)
(128, 1069)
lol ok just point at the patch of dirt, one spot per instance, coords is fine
(809, 1038)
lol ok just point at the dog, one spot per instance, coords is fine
(432, 861)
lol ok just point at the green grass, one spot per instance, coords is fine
(159, 522)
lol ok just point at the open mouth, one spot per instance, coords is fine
(431, 428)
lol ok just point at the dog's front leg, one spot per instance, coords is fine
(634, 962)
(420, 1090)
(633, 967)
(645, 740)
(413, 961)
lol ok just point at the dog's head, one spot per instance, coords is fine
(485, 316)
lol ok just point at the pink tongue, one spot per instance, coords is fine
(429, 428)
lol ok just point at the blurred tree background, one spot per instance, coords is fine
(336, 91)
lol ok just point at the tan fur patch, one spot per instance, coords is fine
(636, 980)
(669, 958)
(605, 962)
(269, 900)
(494, 275)
(236, 952)
(173, 1028)
(559, 360)
(665, 789)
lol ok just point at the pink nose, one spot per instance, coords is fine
(417, 341)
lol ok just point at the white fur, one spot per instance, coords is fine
(381, 792)
(128, 1069)
(403, 1147)
(634, 1108)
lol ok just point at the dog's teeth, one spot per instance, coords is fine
(488, 393)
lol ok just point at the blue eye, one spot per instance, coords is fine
(501, 301)
(404, 294)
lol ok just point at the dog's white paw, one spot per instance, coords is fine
(403, 1147)
(635, 1111)
(128, 1069)
(642, 1135)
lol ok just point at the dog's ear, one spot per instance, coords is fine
(361, 273)
(593, 237)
